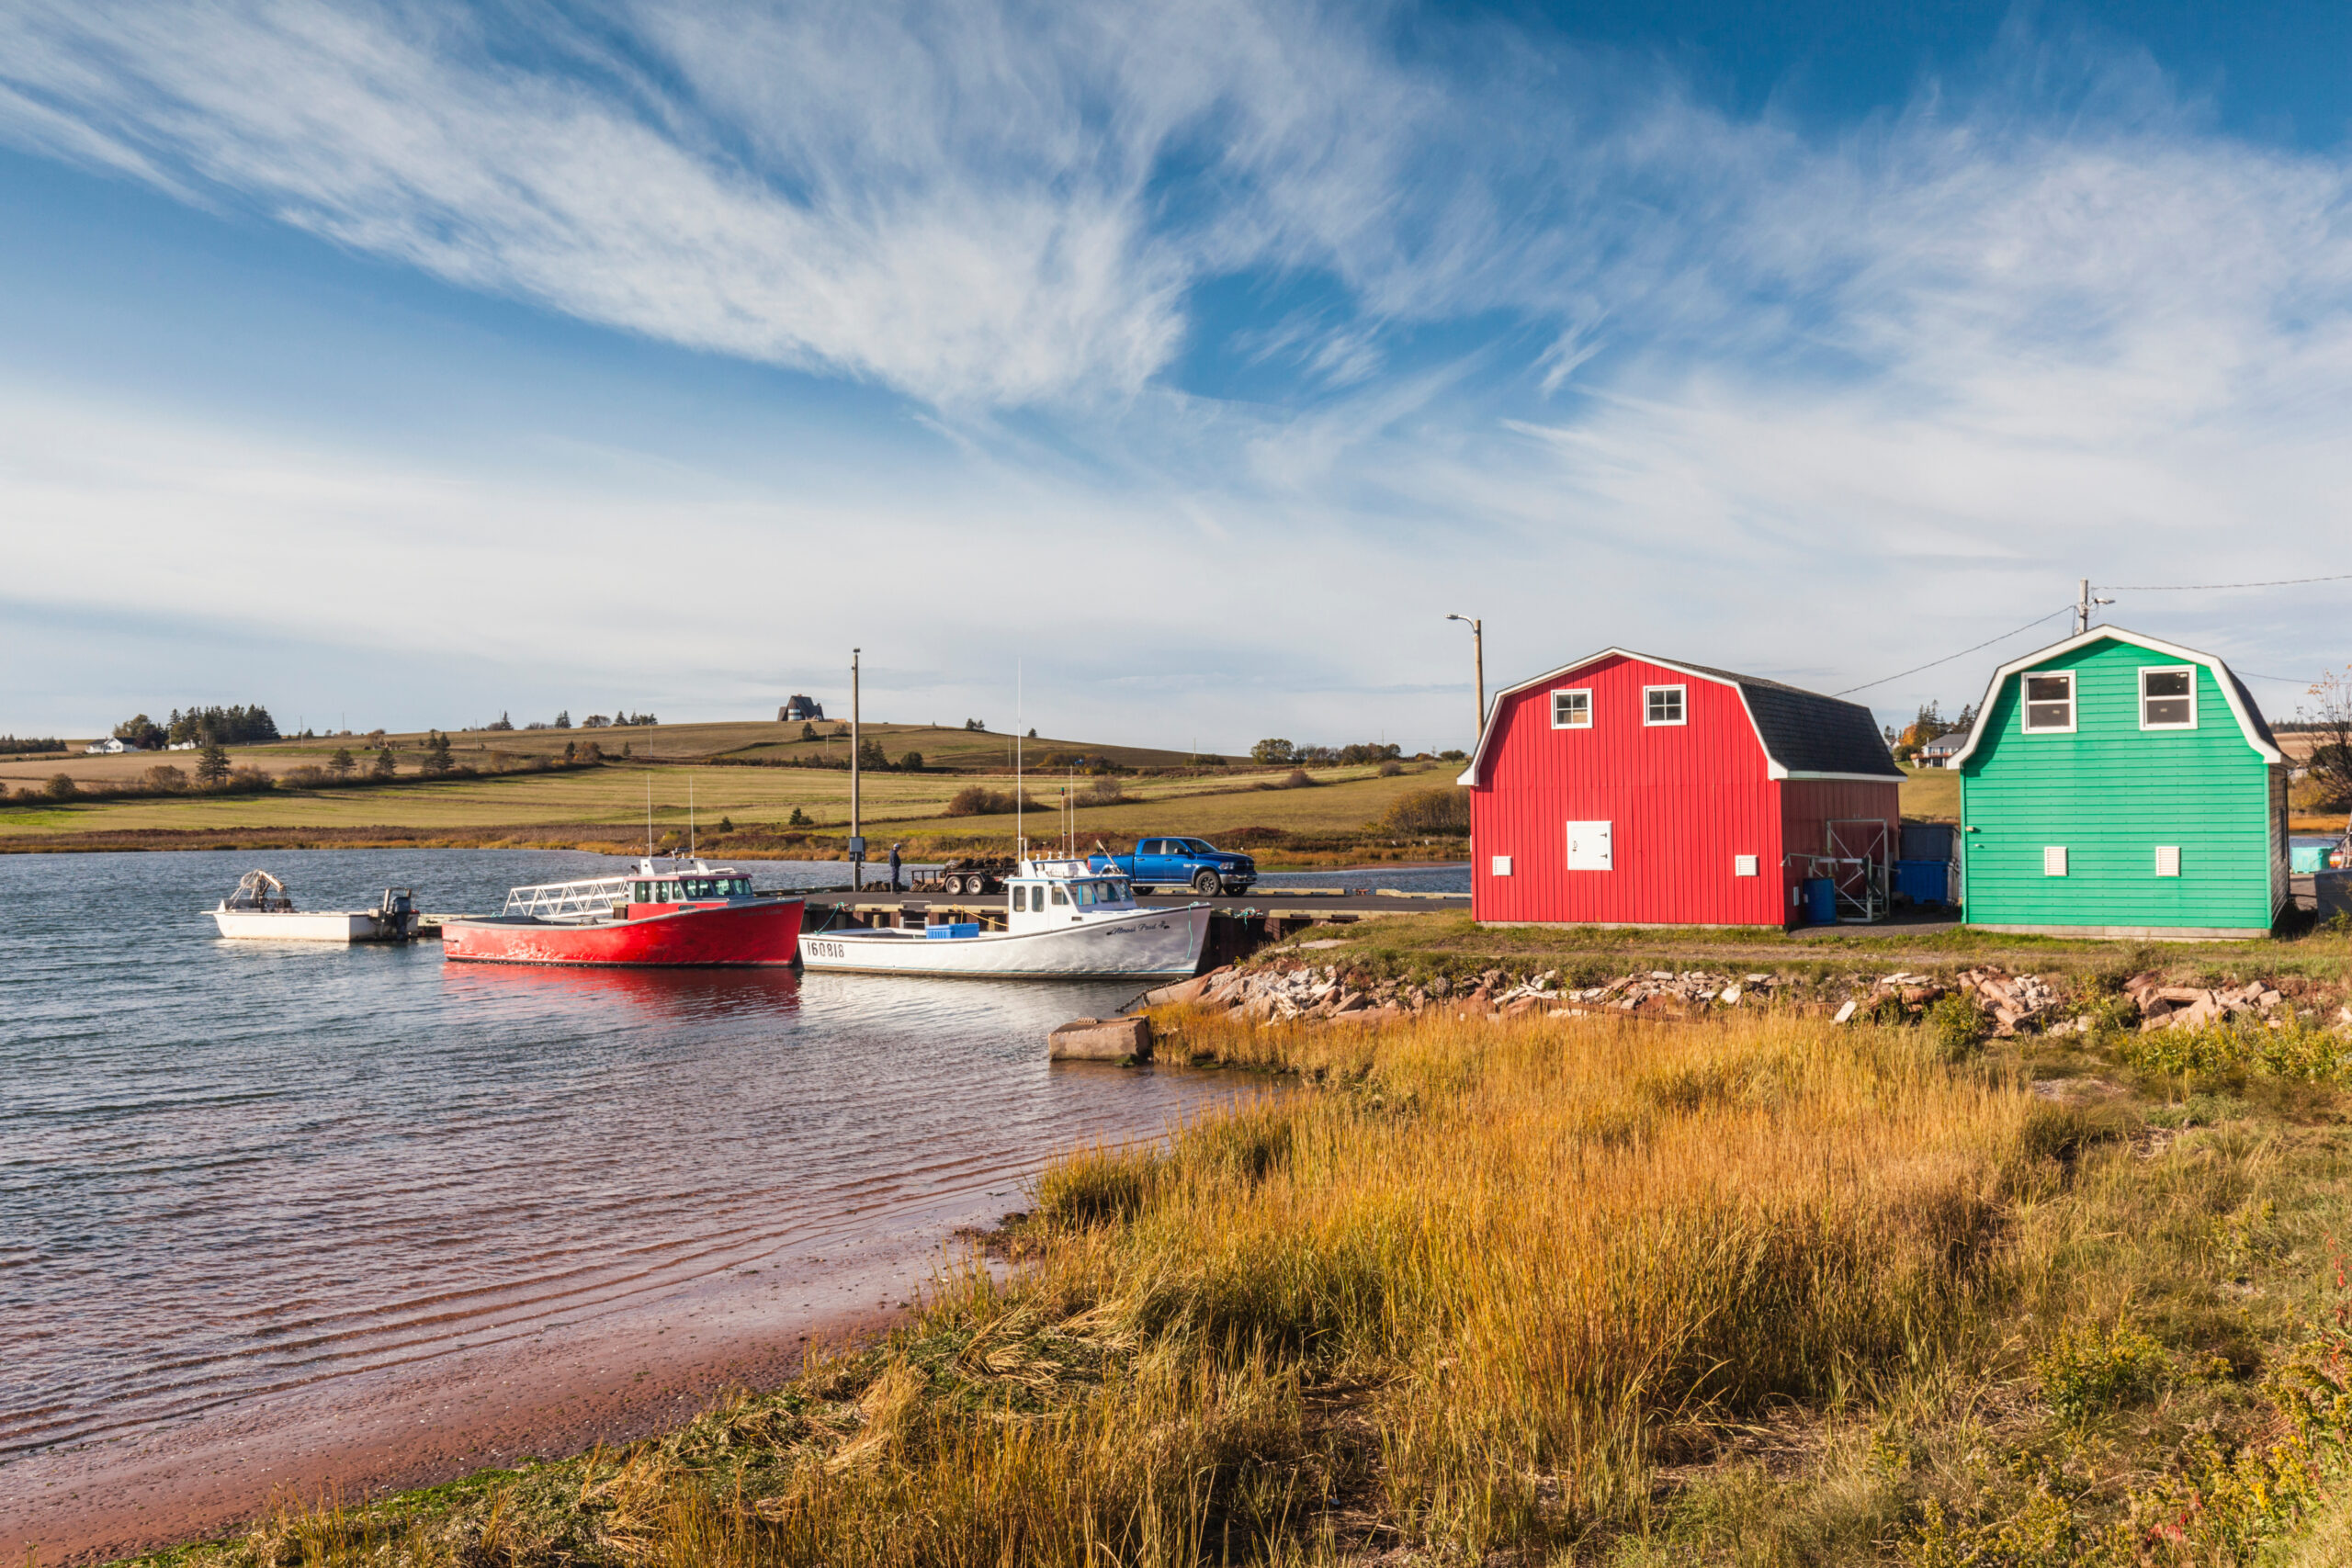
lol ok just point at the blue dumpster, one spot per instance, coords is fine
(1923, 881)
(1820, 901)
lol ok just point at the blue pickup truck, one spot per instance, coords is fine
(1182, 863)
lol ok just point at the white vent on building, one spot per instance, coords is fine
(1503, 866)
(2167, 860)
(1743, 865)
(2054, 860)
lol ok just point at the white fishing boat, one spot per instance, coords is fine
(1063, 921)
(261, 909)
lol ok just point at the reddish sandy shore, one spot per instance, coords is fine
(567, 1387)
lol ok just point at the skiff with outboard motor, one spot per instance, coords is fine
(679, 913)
(262, 909)
(1063, 921)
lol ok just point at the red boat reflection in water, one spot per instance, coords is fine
(684, 914)
(668, 994)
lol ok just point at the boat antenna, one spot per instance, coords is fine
(649, 819)
(690, 816)
(1021, 839)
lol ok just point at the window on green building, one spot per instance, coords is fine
(2050, 702)
(2168, 698)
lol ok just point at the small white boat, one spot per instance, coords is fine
(261, 909)
(1063, 921)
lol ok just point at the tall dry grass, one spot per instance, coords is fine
(1462, 1299)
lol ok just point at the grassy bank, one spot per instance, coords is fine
(1753, 1291)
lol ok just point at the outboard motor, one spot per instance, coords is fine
(396, 914)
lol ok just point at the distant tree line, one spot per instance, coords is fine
(1274, 752)
(218, 725)
(18, 745)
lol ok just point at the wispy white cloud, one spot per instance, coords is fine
(1582, 351)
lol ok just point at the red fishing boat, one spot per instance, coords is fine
(684, 913)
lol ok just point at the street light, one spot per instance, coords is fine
(1478, 656)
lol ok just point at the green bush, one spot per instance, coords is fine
(1959, 1024)
(60, 786)
(2090, 1369)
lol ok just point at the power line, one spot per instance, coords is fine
(2219, 587)
(1946, 658)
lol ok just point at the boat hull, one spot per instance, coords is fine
(765, 934)
(1151, 944)
(299, 925)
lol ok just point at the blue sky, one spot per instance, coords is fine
(415, 363)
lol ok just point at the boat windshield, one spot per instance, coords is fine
(1102, 890)
(683, 889)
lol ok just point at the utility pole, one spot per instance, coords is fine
(858, 840)
(1478, 659)
(2084, 605)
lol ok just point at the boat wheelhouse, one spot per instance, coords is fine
(681, 913)
(1063, 921)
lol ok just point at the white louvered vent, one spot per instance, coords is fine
(2054, 860)
(1503, 866)
(2167, 860)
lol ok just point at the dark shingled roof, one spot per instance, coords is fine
(1805, 731)
(2254, 714)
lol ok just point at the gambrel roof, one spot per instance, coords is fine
(2250, 722)
(1803, 734)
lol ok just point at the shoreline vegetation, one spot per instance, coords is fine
(1691, 1282)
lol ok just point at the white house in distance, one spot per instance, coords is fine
(1938, 752)
(113, 745)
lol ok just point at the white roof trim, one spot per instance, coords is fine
(2221, 677)
(1774, 767)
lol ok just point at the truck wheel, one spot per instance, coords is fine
(1138, 888)
(1204, 883)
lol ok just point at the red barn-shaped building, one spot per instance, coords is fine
(1624, 789)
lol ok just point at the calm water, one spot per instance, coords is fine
(230, 1169)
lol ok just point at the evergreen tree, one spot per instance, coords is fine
(438, 760)
(212, 765)
(341, 764)
(386, 764)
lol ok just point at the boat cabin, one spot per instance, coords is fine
(651, 888)
(1048, 893)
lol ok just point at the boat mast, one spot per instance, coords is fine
(649, 820)
(1020, 840)
(690, 816)
(857, 854)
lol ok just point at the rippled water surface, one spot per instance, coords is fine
(229, 1167)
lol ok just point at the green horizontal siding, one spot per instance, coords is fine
(2110, 793)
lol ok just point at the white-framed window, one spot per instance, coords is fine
(1572, 709)
(1664, 704)
(2054, 860)
(2168, 696)
(1743, 865)
(2050, 702)
(1588, 847)
(1503, 866)
(2167, 860)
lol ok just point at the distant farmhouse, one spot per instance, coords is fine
(1938, 752)
(113, 745)
(799, 710)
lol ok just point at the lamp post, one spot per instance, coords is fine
(1479, 658)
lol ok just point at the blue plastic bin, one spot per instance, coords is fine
(954, 929)
(1820, 901)
(1923, 881)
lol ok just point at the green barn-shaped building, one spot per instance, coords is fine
(2122, 786)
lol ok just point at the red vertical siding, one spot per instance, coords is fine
(1684, 801)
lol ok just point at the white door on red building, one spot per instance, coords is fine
(1588, 846)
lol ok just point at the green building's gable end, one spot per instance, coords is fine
(2110, 793)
